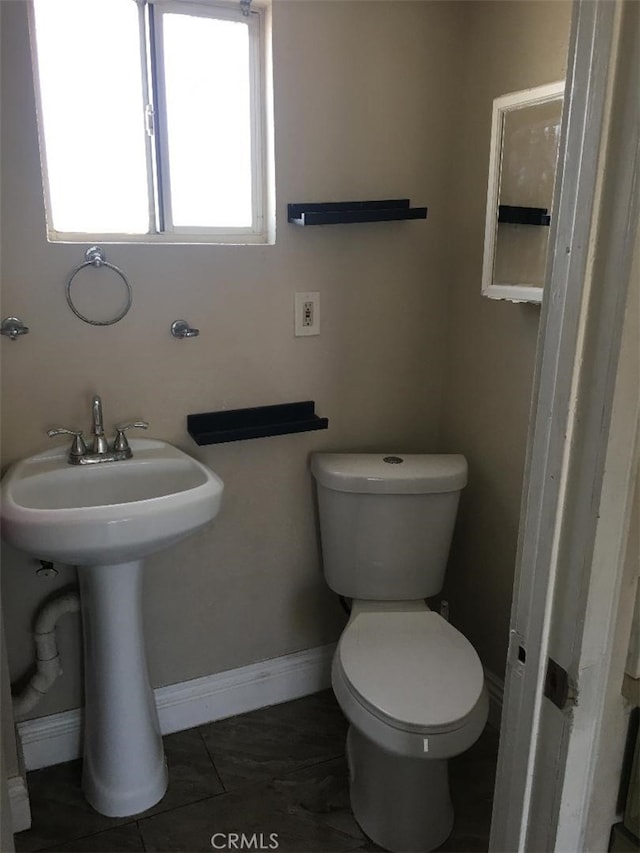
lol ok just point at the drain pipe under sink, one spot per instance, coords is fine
(48, 666)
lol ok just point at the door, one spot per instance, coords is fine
(582, 454)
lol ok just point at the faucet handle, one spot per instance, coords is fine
(78, 447)
(121, 442)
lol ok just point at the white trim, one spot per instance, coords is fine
(536, 561)
(255, 232)
(57, 738)
(543, 779)
(167, 238)
(214, 697)
(501, 105)
(19, 803)
(50, 740)
(260, 231)
(514, 292)
(595, 514)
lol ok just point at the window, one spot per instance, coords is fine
(151, 119)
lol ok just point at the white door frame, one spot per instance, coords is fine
(563, 603)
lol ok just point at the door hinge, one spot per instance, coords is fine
(558, 687)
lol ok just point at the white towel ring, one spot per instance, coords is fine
(94, 257)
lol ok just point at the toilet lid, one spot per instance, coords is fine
(413, 669)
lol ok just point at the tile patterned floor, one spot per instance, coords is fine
(277, 770)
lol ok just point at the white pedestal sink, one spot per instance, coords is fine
(105, 518)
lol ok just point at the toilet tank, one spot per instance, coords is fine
(386, 521)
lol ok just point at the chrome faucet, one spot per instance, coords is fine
(100, 452)
(99, 441)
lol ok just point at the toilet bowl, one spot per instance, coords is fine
(412, 688)
(409, 683)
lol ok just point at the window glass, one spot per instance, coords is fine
(90, 80)
(208, 115)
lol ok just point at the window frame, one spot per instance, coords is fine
(161, 230)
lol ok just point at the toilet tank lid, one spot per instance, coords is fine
(390, 473)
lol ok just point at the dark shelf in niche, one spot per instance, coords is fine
(523, 215)
(257, 422)
(345, 212)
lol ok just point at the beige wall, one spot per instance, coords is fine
(372, 99)
(490, 345)
(363, 99)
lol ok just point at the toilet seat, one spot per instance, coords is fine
(413, 670)
(411, 682)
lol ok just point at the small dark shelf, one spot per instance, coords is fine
(523, 215)
(258, 422)
(343, 212)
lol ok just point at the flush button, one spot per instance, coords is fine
(393, 460)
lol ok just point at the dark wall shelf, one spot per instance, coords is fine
(523, 215)
(258, 422)
(344, 212)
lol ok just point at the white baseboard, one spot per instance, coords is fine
(214, 697)
(51, 740)
(19, 803)
(58, 737)
(495, 687)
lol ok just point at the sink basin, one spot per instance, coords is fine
(108, 512)
(105, 518)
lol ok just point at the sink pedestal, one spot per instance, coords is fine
(105, 519)
(124, 770)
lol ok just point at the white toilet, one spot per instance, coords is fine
(409, 683)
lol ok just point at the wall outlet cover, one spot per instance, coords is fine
(307, 314)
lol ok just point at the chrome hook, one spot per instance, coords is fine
(13, 327)
(181, 329)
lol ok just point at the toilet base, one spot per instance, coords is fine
(403, 804)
